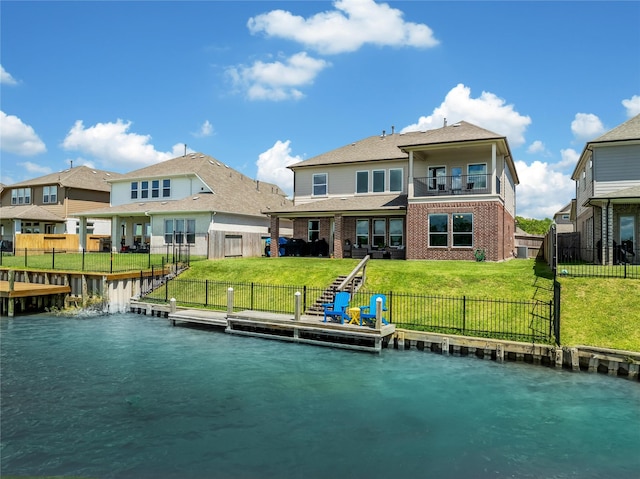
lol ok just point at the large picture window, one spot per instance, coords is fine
(477, 176)
(379, 232)
(463, 229)
(178, 230)
(395, 180)
(378, 181)
(362, 232)
(438, 230)
(362, 182)
(396, 232)
(320, 184)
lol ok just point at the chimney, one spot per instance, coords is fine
(393, 129)
(445, 123)
(384, 133)
(258, 185)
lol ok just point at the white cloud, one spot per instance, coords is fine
(272, 166)
(586, 126)
(569, 159)
(352, 24)
(277, 80)
(488, 111)
(206, 129)
(542, 190)
(6, 78)
(18, 138)
(114, 146)
(537, 147)
(35, 169)
(632, 105)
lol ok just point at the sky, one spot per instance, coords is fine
(260, 85)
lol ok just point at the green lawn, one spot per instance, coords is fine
(594, 311)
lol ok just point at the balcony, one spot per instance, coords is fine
(453, 185)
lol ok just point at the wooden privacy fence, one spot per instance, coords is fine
(59, 242)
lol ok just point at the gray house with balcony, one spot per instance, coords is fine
(438, 194)
(607, 180)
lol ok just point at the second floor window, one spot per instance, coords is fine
(437, 177)
(378, 181)
(144, 189)
(155, 189)
(320, 184)
(50, 194)
(477, 176)
(134, 190)
(362, 182)
(166, 188)
(395, 180)
(21, 196)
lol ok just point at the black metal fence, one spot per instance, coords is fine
(97, 262)
(535, 321)
(624, 263)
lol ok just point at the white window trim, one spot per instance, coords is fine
(384, 180)
(368, 182)
(401, 170)
(326, 184)
(453, 233)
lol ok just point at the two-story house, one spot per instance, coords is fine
(447, 193)
(607, 181)
(50, 204)
(195, 201)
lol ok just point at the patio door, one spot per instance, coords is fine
(628, 233)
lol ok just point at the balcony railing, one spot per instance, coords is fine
(452, 185)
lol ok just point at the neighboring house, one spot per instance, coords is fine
(194, 201)
(562, 219)
(437, 194)
(50, 204)
(607, 180)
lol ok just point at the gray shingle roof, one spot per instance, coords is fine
(351, 203)
(390, 147)
(81, 177)
(232, 191)
(629, 130)
(29, 212)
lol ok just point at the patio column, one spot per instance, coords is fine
(337, 236)
(410, 184)
(610, 237)
(493, 168)
(116, 233)
(275, 235)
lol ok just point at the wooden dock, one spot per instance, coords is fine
(309, 329)
(27, 294)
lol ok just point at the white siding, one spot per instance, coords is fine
(509, 192)
(181, 187)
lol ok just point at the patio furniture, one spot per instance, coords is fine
(354, 314)
(338, 309)
(368, 313)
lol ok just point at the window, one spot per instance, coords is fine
(396, 232)
(144, 189)
(584, 181)
(155, 189)
(166, 188)
(463, 229)
(168, 231)
(379, 232)
(395, 179)
(21, 196)
(50, 194)
(320, 184)
(313, 230)
(565, 217)
(438, 230)
(477, 177)
(378, 181)
(134, 190)
(179, 231)
(362, 232)
(362, 182)
(191, 231)
(437, 178)
(456, 178)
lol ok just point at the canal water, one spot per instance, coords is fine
(129, 396)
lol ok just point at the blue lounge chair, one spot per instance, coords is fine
(338, 309)
(368, 313)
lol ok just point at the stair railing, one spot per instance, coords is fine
(359, 272)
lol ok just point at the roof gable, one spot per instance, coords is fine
(81, 177)
(629, 130)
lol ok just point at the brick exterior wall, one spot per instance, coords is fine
(493, 231)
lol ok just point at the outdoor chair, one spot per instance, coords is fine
(338, 309)
(368, 313)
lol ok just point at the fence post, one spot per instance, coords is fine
(229, 301)
(149, 258)
(297, 306)
(390, 307)
(251, 300)
(111, 262)
(464, 314)
(206, 292)
(304, 297)
(83, 251)
(378, 313)
(556, 312)
(53, 258)
(25, 257)
(166, 287)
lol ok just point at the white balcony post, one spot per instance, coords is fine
(410, 184)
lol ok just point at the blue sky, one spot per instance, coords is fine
(261, 85)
